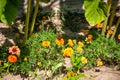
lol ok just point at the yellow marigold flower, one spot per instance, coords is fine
(70, 43)
(68, 52)
(69, 74)
(46, 44)
(38, 63)
(110, 31)
(119, 36)
(80, 44)
(99, 63)
(83, 60)
(74, 41)
(60, 42)
(99, 25)
(79, 49)
(25, 59)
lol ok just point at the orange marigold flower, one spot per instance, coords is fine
(60, 42)
(14, 50)
(99, 25)
(69, 74)
(110, 31)
(89, 39)
(119, 36)
(12, 58)
(68, 52)
(90, 36)
(70, 42)
(83, 60)
(46, 44)
(80, 44)
(99, 63)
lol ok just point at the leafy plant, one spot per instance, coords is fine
(102, 48)
(49, 56)
(97, 9)
(8, 10)
(101, 12)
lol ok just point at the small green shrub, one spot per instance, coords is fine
(49, 56)
(102, 48)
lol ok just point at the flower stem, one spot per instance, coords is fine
(117, 25)
(106, 20)
(27, 20)
(112, 16)
(34, 17)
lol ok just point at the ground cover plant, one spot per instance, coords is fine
(46, 49)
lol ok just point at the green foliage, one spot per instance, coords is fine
(8, 10)
(95, 11)
(76, 62)
(102, 48)
(49, 57)
(2, 5)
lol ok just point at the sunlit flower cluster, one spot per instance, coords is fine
(46, 44)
